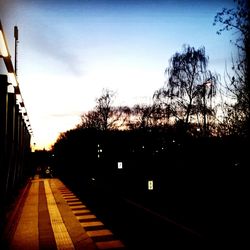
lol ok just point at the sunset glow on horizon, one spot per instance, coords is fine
(69, 51)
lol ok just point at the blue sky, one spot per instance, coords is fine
(70, 50)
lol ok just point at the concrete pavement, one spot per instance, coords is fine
(52, 217)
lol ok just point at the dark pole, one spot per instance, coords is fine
(16, 41)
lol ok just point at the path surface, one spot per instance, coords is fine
(52, 217)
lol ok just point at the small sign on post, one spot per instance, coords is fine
(120, 165)
(150, 185)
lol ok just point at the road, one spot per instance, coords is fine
(199, 218)
(140, 226)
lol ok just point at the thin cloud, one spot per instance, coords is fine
(64, 115)
(46, 40)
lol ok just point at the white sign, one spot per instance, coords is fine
(150, 185)
(119, 165)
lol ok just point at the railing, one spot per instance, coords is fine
(15, 128)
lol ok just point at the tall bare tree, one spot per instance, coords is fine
(203, 99)
(105, 116)
(237, 20)
(187, 84)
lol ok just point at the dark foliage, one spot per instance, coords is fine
(237, 21)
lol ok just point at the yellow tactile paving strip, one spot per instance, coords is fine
(101, 232)
(61, 234)
(103, 238)
(72, 223)
(84, 217)
(79, 209)
(74, 203)
(92, 224)
(26, 234)
(30, 230)
(78, 235)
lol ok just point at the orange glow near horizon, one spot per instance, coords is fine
(68, 53)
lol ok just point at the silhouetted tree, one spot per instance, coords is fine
(141, 116)
(237, 20)
(91, 119)
(147, 116)
(203, 99)
(105, 116)
(238, 88)
(164, 107)
(187, 83)
(104, 109)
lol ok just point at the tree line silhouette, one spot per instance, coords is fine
(203, 116)
(192, 141)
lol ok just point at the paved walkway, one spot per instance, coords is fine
(52, 217)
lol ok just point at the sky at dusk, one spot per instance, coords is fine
(69, 51)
